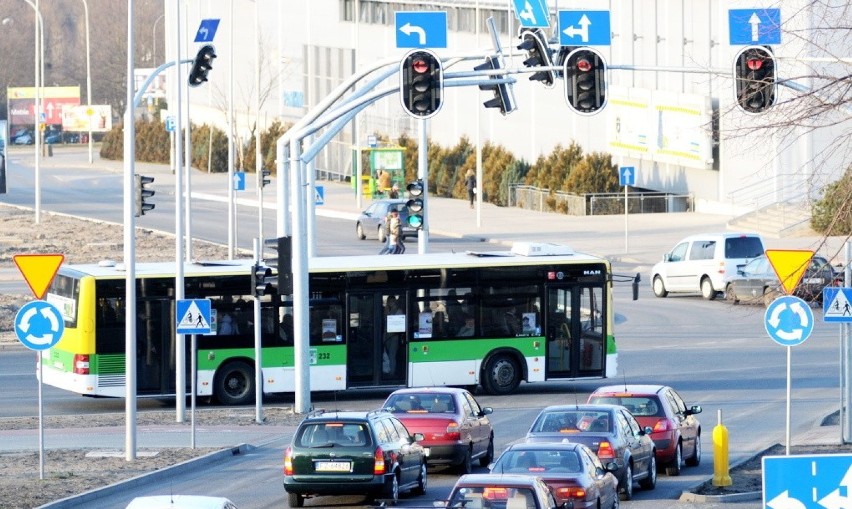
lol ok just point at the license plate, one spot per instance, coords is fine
(333, 466)
(813, 280)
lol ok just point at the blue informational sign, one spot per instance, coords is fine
(813, 481)
(627, 175)
(789, 321)
(837, 304)
(421, 29)
(39, 325)
(319, 195)
(584, 28)
(239, 181)
(193, 316)
(207, 30)
(754, 26)
(170, 124)
(532, 13)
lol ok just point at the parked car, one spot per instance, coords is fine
(608, 430)
(757, 282)
(455, 427)
(675, 430)
(180, 502)
(574, 474)
(24, 138)
(700, 263)
(353, 453)
(502, 491)
(371, 222)
(51, 137)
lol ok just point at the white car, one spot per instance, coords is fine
(180, 502)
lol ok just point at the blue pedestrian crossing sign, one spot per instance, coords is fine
(532, 13)
(39, 325)
(789, 320)
(627, 175)
(421, 29)
(837, 304)
(815, 481)
(754, 26)
(239, 181)
(319, 195)
(193, 316)
(584, 28)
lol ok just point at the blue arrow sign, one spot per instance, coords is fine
(206, 30)
(319, 195)
(584, 28)
(239, 181)
(39, 325)
(754, 26)
(627, 175)
(789, 321)
(193, 316)
(532, 13)
(415, 29)
(837, 304)
(804, 482)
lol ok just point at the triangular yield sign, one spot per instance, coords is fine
(789, 265)
(39, 270)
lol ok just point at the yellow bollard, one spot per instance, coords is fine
(721, 476)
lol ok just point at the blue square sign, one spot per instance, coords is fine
(754, 26)
(810, 481)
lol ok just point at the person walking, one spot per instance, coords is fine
(470, 184)
(395, 243)
(388, 247)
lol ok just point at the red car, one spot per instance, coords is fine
(676, 431)
(456, 429)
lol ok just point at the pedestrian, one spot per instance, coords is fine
(395, 243)
(394, 192)
(392, 338)
(470, 184)
(384, 181)
(386, 228)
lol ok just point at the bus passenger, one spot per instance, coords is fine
(467, 330)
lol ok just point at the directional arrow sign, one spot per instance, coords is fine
(627, 175)
(239, 181)
(754, 26)
(207, 30)
(789, 321)
(39, 325)
(789, 265)
(532, 13)
(39, 270)
(584, 28)
(426, 29)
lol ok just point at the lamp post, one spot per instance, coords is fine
(89, 112)
(154, 40)
(39, 89)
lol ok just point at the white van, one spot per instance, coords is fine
(699, 263)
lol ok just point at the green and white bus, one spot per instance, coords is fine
(537, 313)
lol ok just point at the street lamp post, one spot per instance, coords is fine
(154, 40)
(89, 112)
(39, 89)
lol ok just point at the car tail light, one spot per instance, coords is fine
(81, 364)
(379, 467)
(571, 492)
(453, 432)
(288, 461)
(495, 493)
(721, 267)
(605, 451)
(662, 425)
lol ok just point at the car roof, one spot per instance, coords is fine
(587, 406)
(429, 390)
(631, 388)
(179, 502)
(340, 415)
(496, 480)
(717, 235)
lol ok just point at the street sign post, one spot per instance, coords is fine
(532, 13)
(816, 480)
(39, 270)
(206, 30)
(627, 175)
(789, 265)
(39, 325)
(193, 316)
(584, 28)
(421, 29)
(754, 26)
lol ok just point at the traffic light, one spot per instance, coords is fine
(538, 55)
(285, 265)
(585, 81)
(201, 65)
(142, 193)
(755, 80)
(262, 280)
(263, 178)
(504, 96)
(421, 83)
(415, 204)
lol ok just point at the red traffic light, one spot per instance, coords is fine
(754, 63)
(420, 66)
(584, 65)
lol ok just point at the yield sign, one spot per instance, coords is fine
(789, 265)
(39, 270)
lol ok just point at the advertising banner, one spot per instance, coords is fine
(54, 101)
(96, 118)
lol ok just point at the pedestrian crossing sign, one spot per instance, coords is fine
(837, 304)
(193, 316)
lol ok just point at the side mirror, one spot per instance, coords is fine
(694, 409)
(647, 430)
(486, 411)
(610, 466)
(667, 257)
(418, 437)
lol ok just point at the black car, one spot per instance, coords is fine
(371, 222)
(353, 453)
(757, 282)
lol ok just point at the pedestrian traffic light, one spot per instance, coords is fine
(421, 83)
(534, 43)
(415, 204)
(285, 265)
(504, 96)
(262, 281)
(263, 178)
(201, 65)
(755, 79)
(142, 193)
(585, 81)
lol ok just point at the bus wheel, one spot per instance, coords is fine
(235, 383)
(502, 375)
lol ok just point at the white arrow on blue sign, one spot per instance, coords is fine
(239, 181)
(39, 325)
(817, 480)
(789, 320)
(532, 13)
(584, 28)
(416, 29)
(627, 175)
(207, 30)
(754, 26)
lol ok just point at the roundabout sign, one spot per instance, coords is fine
(789, 321)
(39, 325)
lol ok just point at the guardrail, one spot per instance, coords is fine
(545, 200)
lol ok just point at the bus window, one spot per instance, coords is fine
(326, 322)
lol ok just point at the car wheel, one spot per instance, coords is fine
(650, 481)
(626, 491)
(695, 460)
(731, 294)
(707, 290)
(421, 481)
(359, 231)
(391, 493)
(380, 233)
(501, 375)
(673, 468)
(295, 500)
(489, 453)
(660, 287)
(234, 383)
(466, 466)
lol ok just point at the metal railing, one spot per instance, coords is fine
(545, 200)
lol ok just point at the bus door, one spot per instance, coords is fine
(376, 349)
(155, 348)
(574, 329)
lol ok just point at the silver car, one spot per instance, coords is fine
(371, 222)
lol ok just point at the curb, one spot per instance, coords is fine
(733, 498)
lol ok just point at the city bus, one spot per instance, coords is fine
(535, 313)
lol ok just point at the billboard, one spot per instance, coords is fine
(53, 101)
(96, 118)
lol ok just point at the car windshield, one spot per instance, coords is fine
(496, 497)
(573, 421)
(419, 403)
(537, 462)
(640, 406)
(330, 434)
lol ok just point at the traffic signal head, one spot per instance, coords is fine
(262, 281)
(538, 55)
(421, 83)
(504, 96)
(585, 81)
(201, 65)
(415, 204)
(142, 193)
(755, 79)
(263, 178)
